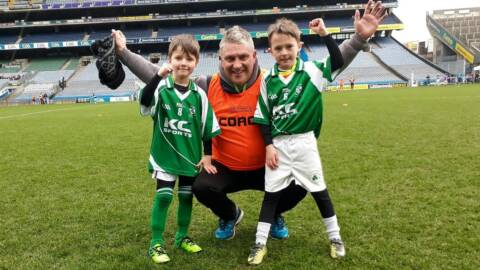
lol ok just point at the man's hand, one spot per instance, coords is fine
(120, 40)
(206, 163)
(318, 26)
(164, 70)
(367, 25)
(272, 157)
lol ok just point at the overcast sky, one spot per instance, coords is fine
(412, 14)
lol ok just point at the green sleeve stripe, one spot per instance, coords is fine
(327, 70)
(260, 121)
(314, 71)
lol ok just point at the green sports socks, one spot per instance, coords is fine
(161, 202)
(184, 215)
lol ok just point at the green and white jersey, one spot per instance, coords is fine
(293, 105)
(180, 123)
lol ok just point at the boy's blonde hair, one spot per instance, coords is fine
(186, 43)
(286, 27)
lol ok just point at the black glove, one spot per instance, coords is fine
(110, 70)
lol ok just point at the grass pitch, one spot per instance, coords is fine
(402, 167)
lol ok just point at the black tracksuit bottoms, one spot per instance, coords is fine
(211, 190)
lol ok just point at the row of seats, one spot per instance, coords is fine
(6, 68)
(58, 4)
(8, 39)
(403, 61)
(51, 76)
(86, 83)
(53, 64)
(461, 22)
(465, 28)
(48, 73)
(364, 69)
(68, 36)
(47, 64)
(35, 90)
(260, 26)
(168, 31)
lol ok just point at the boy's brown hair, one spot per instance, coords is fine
(286, 27)
(186, 43)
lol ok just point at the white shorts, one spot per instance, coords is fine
(160, 175)
(299, 161)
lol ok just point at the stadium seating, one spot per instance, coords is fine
(129, 33)
(265, 60)
(99, 34)
(138, 33)
(8, 39)
(404, 61)
(463, 24)
(50, 37)
(303, 24)
(35, 90)
(3, 82)
(208, 64)
(172, 31)
(364, 68)
(72, 64)
(86, 83)
(46, 64)
(51, 76)
(5, 67)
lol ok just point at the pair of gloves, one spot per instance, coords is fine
(110, 70)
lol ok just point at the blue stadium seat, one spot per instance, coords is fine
(48, 37)
(404, 61)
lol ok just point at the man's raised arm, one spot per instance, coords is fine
(365, 27)
(141, 67)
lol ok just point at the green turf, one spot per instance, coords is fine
(402, 166)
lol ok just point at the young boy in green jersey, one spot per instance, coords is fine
(290, 110)
(182, 119)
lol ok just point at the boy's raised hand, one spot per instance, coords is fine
(271, 157)
(120, 40)
(164, 70)
(206, 163)
(318, 26)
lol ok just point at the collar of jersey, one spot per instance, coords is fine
(299, 67)
(170, 83)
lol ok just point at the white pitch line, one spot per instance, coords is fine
(33, 113)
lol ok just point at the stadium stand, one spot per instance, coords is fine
(51, 76)
(456, 32)
(138, 32)
(85, 83)
(208, 64)
(366, 70)
(36, 89)
(49, 37)
(172, 31)
(57, 38)
(464, 25)
(6, 67)
(49, 64)
(402, 60)
(72, 64)
(8, 39)
(99, 34)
